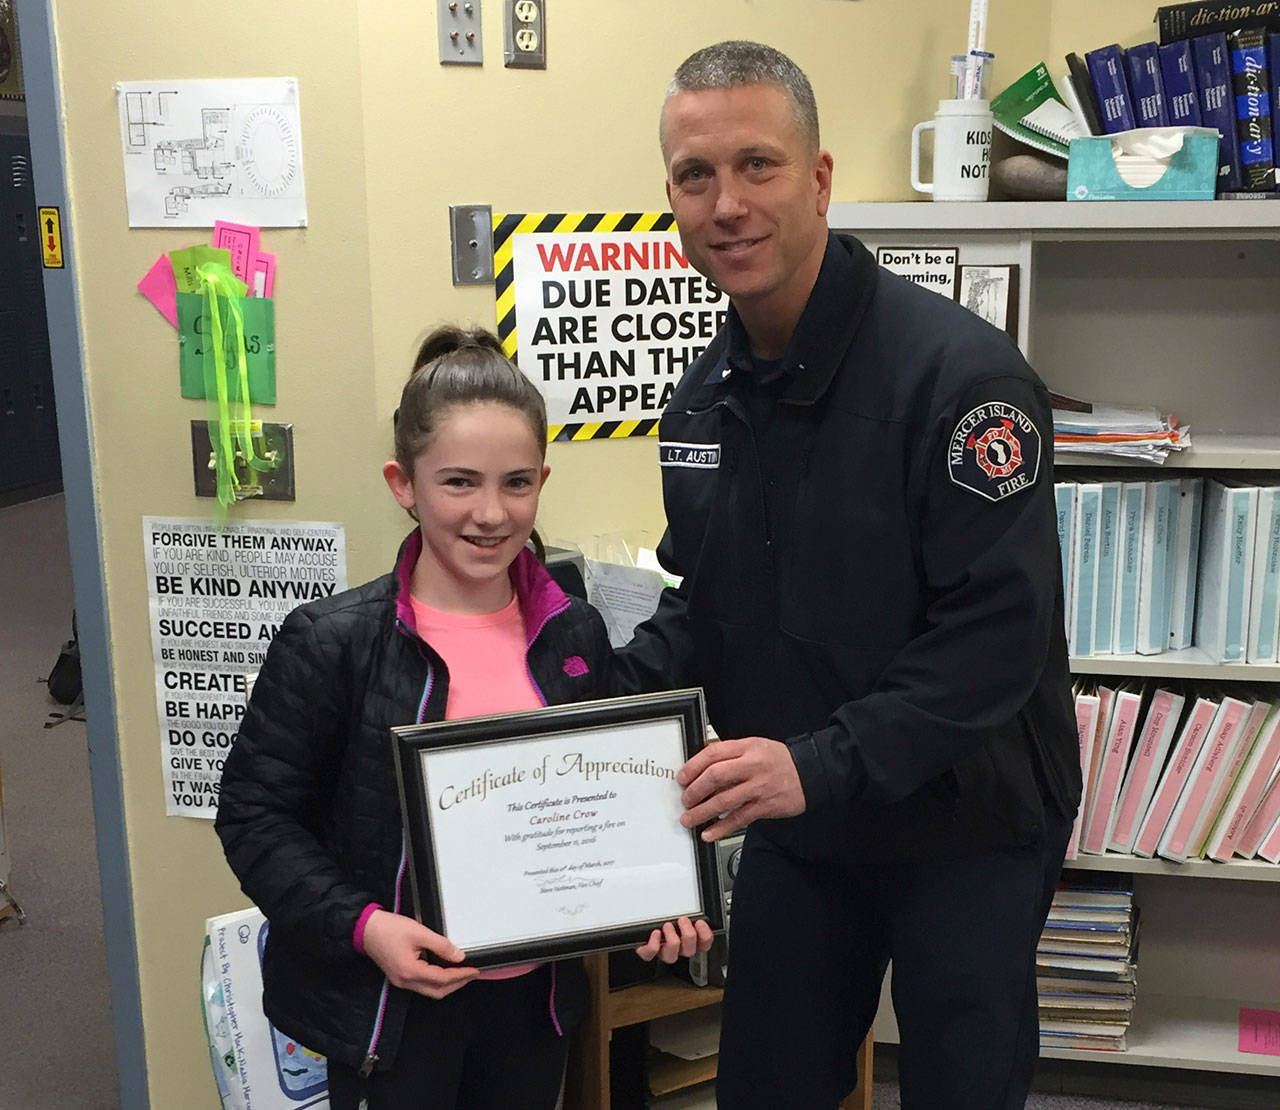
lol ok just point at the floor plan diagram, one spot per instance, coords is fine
(199, 151)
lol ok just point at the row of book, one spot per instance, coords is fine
(1177, 773)
(1086, 963)
(1217, 65)
(1165, 564)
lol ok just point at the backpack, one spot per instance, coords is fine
(64, 680)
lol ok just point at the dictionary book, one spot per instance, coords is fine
(1146, 83)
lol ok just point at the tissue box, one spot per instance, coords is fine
(255, 1066)
(1189, 173)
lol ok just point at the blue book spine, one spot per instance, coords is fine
(1192, 496)
(1239, 569)
(1108, 549)
(1142, 62)
(1106, 71)
(1084, 566)
(1264, 617)
(1273, 72)
(1253, 108)
(1181, 98)
(1124, 637)
(1064, 496)
(1154, 591)
(1217, 105)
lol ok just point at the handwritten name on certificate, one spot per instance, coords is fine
(571, 833)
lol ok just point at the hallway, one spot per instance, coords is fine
(56, 1050)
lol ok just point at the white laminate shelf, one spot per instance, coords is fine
(1167, 1031)
(1247, 870)
(1173, 1031)
(1066, 219)
(1189, 663)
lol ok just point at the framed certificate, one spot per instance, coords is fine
(554, 832)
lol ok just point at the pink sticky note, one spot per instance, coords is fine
(264, 275)
(242, 241)
(1260, 1031)
(160, 287)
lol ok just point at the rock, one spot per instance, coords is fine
(1029, 177)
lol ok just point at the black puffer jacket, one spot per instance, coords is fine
(308, 811)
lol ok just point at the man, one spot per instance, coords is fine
(871, 600)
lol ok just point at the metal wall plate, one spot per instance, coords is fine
(270, 485)
(458, 30)
(471, 243)
(525, 34)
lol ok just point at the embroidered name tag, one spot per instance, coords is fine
(994, 451)
(698, 456)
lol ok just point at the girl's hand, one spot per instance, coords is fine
(683, 938)
(400, 946)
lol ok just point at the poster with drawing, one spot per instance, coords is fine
(200, 151)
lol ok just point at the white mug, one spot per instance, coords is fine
(961, 151)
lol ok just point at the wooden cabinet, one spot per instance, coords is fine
(588, 1080)
(1173, 306)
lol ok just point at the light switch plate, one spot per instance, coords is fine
(269, 485)
(458, 29)
(471, 243)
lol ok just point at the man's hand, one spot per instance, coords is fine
(683, 938)
(744, 780)
(399, 945)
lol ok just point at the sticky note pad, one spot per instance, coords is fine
(1260, 1031)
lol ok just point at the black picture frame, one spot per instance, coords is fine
(414, 747)
(990, 291)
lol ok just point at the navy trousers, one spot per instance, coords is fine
(808, 948)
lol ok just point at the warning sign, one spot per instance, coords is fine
(217, 597)
(51, 238)
(604, 312)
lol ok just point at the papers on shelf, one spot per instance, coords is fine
(1084, 427)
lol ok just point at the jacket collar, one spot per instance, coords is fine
(539, 596)
(846, 283)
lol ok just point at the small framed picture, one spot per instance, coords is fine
(992, 293)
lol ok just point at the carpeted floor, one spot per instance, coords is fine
(56, 1049)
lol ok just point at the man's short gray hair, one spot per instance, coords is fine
(728, 65)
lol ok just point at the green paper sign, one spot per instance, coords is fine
(259, 345)
(187, 261)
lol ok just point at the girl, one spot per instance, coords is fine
(467, 623)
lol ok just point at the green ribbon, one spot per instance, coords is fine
(223, 291)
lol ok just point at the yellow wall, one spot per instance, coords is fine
(391, 138)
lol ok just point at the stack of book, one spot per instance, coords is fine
(1086, 963)
(1153, 566)
(1217, 64)
(1177, 772)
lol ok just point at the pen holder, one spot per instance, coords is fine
(961, 151)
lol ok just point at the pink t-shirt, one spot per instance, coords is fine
(485, 655)
(488, 673)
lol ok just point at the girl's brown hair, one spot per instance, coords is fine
(459, 366)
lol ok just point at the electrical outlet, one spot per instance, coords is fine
(526, 34)
(458, 29)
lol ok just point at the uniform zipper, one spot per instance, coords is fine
(371, 1055)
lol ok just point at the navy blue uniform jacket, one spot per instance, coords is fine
(871, 570)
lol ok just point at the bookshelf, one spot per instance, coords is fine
(1172, 306)
(587, 1083)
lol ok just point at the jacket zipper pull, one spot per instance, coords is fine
(366, 1069)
